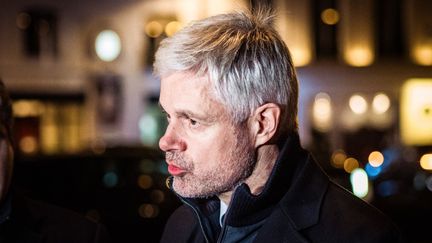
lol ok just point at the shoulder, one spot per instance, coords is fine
(182, 226)
(353, 216)
(54, 223)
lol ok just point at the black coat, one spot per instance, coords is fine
(32, 221)
(300, 204)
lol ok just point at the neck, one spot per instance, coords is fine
(266, 159)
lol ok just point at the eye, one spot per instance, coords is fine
(193, 122)
(167, 117)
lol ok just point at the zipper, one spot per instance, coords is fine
(222, 233)
(199, 219)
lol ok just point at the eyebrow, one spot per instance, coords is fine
(189, 114)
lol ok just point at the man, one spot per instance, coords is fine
(229, 90)
(24, 220)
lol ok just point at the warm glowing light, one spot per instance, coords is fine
(350, 164)
(108, 45)
(423, 55)
(359, 182)
(359, 56)
(380, 103)
(330, 16)
(28, 144)
(148, 210)
(172, 27)
(153, 29)
(376, 159)
(416, 112)
(322, 112)
(358, 104)
(426, 161)
(25, 108)
(300, 56)
(145, 181)
(338, 158)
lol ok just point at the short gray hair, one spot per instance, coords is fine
(247, 62)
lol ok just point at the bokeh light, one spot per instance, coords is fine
(108, 45)
(350, 164)
(110, 179)
(28, 144)
(358, 104)
(372, 171)
(145, 181)
(376, 159)
(153, 29)
(426, 161)
(330, 16)
(380, 103)
(322, 112)
(359, 56)
(359, 182)
(338, 158)
(172, 27)
(148, 210)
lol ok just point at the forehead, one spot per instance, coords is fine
(184, 90)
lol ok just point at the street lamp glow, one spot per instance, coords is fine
(108, 45)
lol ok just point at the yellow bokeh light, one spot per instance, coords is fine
(172, 27)
(376, 159)
(300, 56)
(330, 16)
(359, 56)
(426, 161)
(416, 112)
(423, 55)
(358, 104)
(338, 159)
(350, 164)
(28, 144)
(153, 29)
(322, 112)
(25, 108)
(380, 103)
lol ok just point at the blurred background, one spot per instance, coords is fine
(87, 120)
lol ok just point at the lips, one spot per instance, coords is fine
(175, 171)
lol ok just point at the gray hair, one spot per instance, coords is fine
(247, 62)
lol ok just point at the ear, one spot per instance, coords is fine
(265, 123)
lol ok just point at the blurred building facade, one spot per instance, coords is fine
(48, 57)
(365, 71)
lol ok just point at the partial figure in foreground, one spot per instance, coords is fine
(23, 220)
(229, 90)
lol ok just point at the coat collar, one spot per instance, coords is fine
(303, 201)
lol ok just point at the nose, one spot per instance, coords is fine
(171, 140)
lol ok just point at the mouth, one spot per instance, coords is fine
(175, 170)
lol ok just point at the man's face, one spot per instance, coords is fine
(205, 152)
(6, 158)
